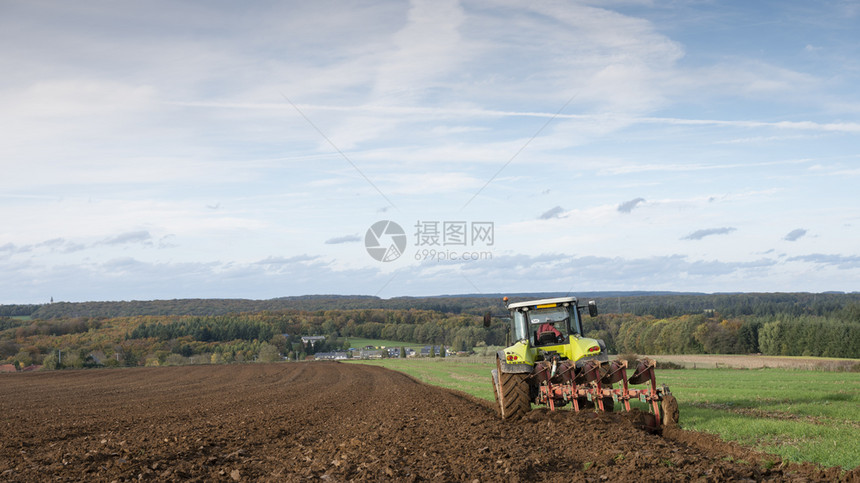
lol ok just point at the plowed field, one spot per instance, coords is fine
(332, 421)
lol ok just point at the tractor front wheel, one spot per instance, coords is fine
(513, 394)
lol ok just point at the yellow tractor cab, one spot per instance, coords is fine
(554, 325)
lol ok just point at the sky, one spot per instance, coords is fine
(191, 149)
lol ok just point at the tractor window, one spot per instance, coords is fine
(553, 320)
(576, 323)
(548, 316)
(520, 329)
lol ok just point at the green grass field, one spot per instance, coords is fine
(799, 415)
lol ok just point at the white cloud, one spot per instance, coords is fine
(842, 262)
(426, 48)
(628, 206)
(552, 213)
(343, 239)
(140, 236)
(699, 234)
(795, 234)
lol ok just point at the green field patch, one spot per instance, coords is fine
(833, 395)
(826, 443)
(799, 415)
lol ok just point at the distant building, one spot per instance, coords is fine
(312, 339)
(425, 351)
(331, 356)
(374, 354)
(8, 368)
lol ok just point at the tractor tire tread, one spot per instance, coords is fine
(513, 395)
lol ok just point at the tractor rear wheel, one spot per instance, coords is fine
(513, 395)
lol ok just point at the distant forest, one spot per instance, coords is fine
(234, 330)
(657, 304)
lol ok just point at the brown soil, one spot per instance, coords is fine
(331, 421)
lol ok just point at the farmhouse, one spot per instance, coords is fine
(425, 351)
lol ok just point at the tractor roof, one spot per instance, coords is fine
(533, 303)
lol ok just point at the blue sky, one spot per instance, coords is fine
(214, 149)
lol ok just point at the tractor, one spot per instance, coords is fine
(552, 364)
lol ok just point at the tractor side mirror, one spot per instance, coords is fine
(592, 308)
(487, 319)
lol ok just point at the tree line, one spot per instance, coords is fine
(827, 326)
(835, 335)
(657, 304)
(413, 326)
